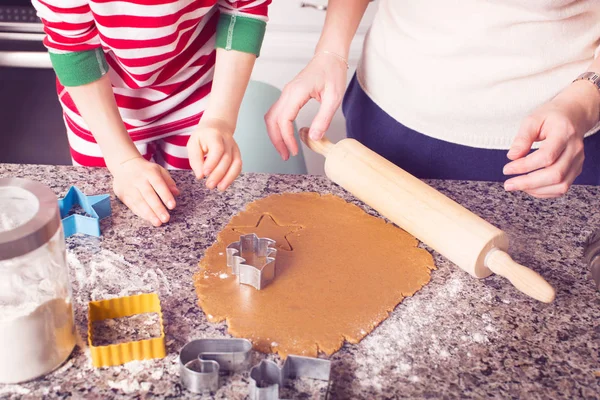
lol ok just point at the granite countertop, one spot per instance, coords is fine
(457, 337)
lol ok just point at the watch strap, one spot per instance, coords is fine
(593, 77)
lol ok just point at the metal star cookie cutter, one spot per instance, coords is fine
(258, 276)
(267, 377)
(201, 360)
(97, 208)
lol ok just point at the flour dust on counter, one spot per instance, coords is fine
(339, 273)
(127, 329)
(416, 326)
(104, 276)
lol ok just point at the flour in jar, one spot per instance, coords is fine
(17, 206)
(37, 342)
(37, 332)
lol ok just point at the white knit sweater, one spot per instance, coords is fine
(468, 71)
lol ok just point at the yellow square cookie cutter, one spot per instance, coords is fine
(121, 353)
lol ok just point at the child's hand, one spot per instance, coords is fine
(145, 188)
(214, 154)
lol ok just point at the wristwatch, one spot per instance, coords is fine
(593, 77)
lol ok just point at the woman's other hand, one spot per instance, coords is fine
(560, 126)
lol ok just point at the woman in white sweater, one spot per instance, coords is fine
(450, 89)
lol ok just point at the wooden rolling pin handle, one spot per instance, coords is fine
(524, 279)
(318, 146)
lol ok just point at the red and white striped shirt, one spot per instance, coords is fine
(160, 54)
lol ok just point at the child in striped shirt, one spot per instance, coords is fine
(134, 78)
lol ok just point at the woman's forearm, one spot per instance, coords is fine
(96, 104)
(232, 74)
(595, 93)
(586, 95)
(341, 23)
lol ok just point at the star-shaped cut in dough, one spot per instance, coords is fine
(267, 227)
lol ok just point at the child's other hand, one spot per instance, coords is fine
(146, 188)
(214, 154)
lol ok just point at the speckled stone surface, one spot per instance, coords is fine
(456, 338)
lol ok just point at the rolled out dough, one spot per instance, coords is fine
(339, 273)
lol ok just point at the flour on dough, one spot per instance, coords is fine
(340, 272)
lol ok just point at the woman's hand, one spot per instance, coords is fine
(214, 154)
(560, 125)
(323, 79)
(146, 188)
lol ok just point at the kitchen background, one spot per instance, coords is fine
(30, 113)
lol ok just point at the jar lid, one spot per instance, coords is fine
(33, 212)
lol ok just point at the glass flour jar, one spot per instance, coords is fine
(37, 333)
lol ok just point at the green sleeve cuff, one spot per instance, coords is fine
(235, 32)
(80, 67)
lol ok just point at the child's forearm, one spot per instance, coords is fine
(96, 104)
(232, 74)
(341, 23)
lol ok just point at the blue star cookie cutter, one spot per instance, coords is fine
(96, 208)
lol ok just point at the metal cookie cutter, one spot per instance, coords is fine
(97, 207)
(201, 360)
(267, 377)
(591, 254)
(258, 276)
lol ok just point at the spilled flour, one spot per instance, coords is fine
(127, 329)
(139, 377)
(415, 328)
(104, 277)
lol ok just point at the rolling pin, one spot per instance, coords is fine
(464, 238)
